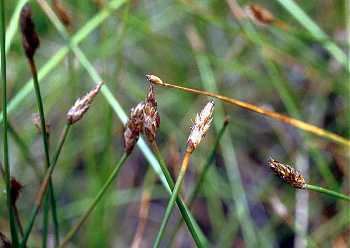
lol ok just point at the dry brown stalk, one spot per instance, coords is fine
(259, 14)
(251, 107)
(143, 215)
(287, 173)
(144, 208)
(62, 12)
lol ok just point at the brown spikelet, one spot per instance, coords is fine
(62, 12)
(151, 115)
(287, 173)
(133, 127)
(200, 126)
(77, 111)
(259, 14)
(4, 241)
(15, 187)
(154, 79)
(30, 39)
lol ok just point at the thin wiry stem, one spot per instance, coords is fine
(44, 185)
(327, 192)
(169, 209)
(45, 141)
(192, 226)
(274, 115)
(11, 216)
(97, 199)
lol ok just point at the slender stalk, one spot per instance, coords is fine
(44, 185)
(45, 139)
(97, 199)
(327, 192)
(274, 115)
(192, 226)
(202, 175)
(169, 209)
(11, 216)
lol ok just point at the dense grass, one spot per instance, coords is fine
(300, 71)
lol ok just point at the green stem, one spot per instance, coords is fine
(192, 226)
(202, 175)
(97, 199)
(44, 185)
(327, 192)
(45, 138)
(169, 209)
(14, 235)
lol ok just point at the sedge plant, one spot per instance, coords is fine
(131, 134)
(198, 185)
(151, 124)
(198, 131)
(75, 113)
(30, 43)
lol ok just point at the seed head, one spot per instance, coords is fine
(151, 116)
(133, 127)
(200, 126)
(30, 39)
(16, 188)
(259, 14)
(154, 79)
(77, 111)
(287, 173)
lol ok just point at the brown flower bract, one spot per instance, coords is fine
(30, 39)
(287, 173)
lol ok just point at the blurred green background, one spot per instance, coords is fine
(201, 44)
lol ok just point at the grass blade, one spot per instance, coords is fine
(11, 216)
(314, 29)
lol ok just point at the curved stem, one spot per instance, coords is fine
(327, 192)
(274, 115)
(97, 199)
